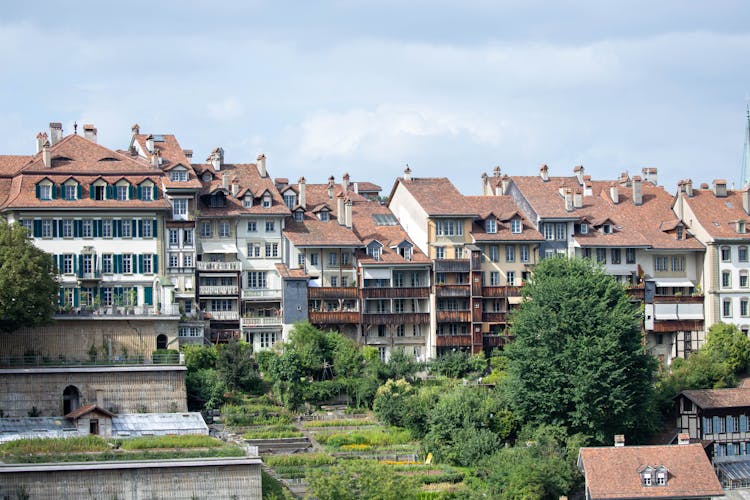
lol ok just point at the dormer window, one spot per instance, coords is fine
(206, 177)
(247, 201)
(490, 225)
(323, 216)
(71, 191)
(654, 476)
(375, 250)
(45, 191)
(266, 200)
(299, 215)
(100, 191)
(290, 199)
(679, 232)
(122, 191)
(147, 191)
(405, 250)
(607, 228)
(584, 228)
(217, 200)
(178, 175)
(741, 227)
(515, 225)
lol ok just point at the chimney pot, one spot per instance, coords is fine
(135, 129)
(345, 182)
(46, 155)
(41, 139)
(496, 171)
(619, 440)
(89, 132)
(55, 132)
(720, 188)
(683, 438)
(614, 194)
(689, 188)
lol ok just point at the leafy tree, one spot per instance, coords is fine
(236, 365)
(362, 480)
(200, 356)
(393, 401)
(730, 345)
(28, 290)
(577, 358)
(458, 364)
(205, 389)
(401, 365)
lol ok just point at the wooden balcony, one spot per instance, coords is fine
(636, 293)
(512, 291)
(454, 316)
(327, 292)
(453, 290)
(333, 317)
(495, 317)
(395, 318)
(493, 291)
(453, 340)
(224, 315)
(685, 325)
(678, 299)
(219, 266)
(452, 266)
(218, 290)
(493, 340)
(421, 292)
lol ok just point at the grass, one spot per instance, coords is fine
(54, 445)
(184, 441)
(303, 459)
(374, 437)
(272, 489)
(345, 422)
(229, 451)
(272, 432)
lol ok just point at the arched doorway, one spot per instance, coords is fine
(161, 341)
(71, 399)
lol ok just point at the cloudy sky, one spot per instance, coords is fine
(453, 88)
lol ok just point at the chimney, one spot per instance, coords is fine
(302, 196)
(348, 212)
(345, 182)
(224, 180)
(156, 159)
(578, 172)
(496, 171)
(341, 210)
(55, 133)
(89, 132)
(689, 187)
(235, 187)
(637, 191)
(331, 187)
(619, 440)
(704, 185)
(505, 184)
(577, 198)
(41, 139)
(720, 188)
(261, 163)
(624, 178)
(649, 175)
(215, 159)
(683, 438)
(135, 129)
(150, 143)
(356, 187)
(188, 153)
(544, 173)
(568, 200)
(614, 194)
(407, 173)
(746, 200)
(46, 155)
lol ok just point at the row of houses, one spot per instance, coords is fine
(231, 252)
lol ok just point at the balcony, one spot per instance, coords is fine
(180, 270)
(453, 290)
(220, 290)
(117, 312)
(454, 316)
(421, 292)
(678, 299)
(333, 317)
(90, 276)
(493, 291)
(261, 322)
(224, 315)
(494, 317)
(261, 294)
(327, 292)
(452, 266)
(395, 318)
(219, 266)
(453, 340)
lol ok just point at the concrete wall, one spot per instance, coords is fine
(133, 389)
(174, 479)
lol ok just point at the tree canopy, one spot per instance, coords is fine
(28, 290)
(577, 359)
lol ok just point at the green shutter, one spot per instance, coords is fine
(140, 264)
(61, 296)
(54, 228)
(80, 266)
(37, 191)
(148, 295)
(110, 192)
(156, 192)
(118, 263)
(155, 264)
(154, 226)
(53, 191)
(133, 227)
(131, 194)
(37, 228)
(92, 190)
(139, 193)
(76, 299)
(140, 229)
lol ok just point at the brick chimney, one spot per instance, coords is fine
(649, 175)
(302, 194)
(637, 191)
(331, 187)
(577, 199)
(89, 132)
(720, 188)
(619, 440)
(407, 173)
(41, 139)
(261, 163)
(544, 173)
(614, 194)
(345, 182)
(55, 133)
(46, 155)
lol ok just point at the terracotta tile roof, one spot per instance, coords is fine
(613, 472)
(172, 155)
(367, 187)
(719, 398)
(286, 273)
(11, 164)
(718, 215)
(437, 196)
(83, 410)
(504, 209)
(651, 224)
(312, 232)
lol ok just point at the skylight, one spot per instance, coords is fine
(385, 219)
(158, 138)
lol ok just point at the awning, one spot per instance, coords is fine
(675, 282)
(218, 247)
(377, 274)
(515, 300)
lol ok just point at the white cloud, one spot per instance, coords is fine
(226, 109)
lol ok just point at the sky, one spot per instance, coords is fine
(451, 88)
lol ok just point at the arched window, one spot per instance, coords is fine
(161, 341)
(71, 399)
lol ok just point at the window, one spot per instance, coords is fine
(205, 229)
(179, 208)
(174, 259)
(726, 308)
(440, 252)
(267, 339)
(510, 253)
(301, 259)
(106, 228)
(247, 201)
(660, 263)
(630, 255)
(270, 226)
(601, 255)
(127, 228)
(494, 278)
(450, 227)
(661, 479)
(561, 231)
(381, 333)
(584, 228)
(187, 261)
(400, 332)
(148, 265)
(147, 228)
(87, 228)
(726, 279)
(332, 259)
(524, 253)
(46, 228)
(679, 232)
(731, 423)
(313, 259)
(28, 224)
(223, 229)
(272, 249)
(289, 200)
(45, 192)
(99, 192)
(549, 231)
(174, 237)
(398, 305)
(122, 193)
(256, 279)
(494, 253)
(67, 264)
(323, 216)
(707, 426)
(743, 279)
(266, 201)
(127, 263)
(107, 263)
(299, 215)
(253, 250)
(607, 228)
(586, 253)
(615, 255)
(490, 225)
(178, 175)
(515, 225)
(743, 307)
(190, 331)
(345, 259)
(726, 254)
(71, 191)
(678, 263)
(252, 226)
(67, 228)
(511, 276)
(187, 237)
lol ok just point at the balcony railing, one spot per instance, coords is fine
(421, 292)
(90, 276)
(395, 318)
(678, 299)
(219, 266)
(452, 266)
(207, 290)
(327, 292)
(453, 340)
(494, 317)
(261, 293)
(333, 317)
(453, 290)
(224, 315)
(108, 312)
(453, 316)
(254, 322)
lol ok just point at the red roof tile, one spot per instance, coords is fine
(719, 215)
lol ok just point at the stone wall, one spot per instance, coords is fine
(130, 389)
(174, 479)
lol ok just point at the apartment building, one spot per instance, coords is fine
(718, 217)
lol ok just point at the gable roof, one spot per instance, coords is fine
(85, 410)
(504, 208)
(437, 196)
(718, 215)
(719, 398)
(612, 472)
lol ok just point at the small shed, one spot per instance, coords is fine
(92, 420)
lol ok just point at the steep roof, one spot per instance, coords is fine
(171, 154)
(719, 398)
(719, 215)
(504, 209)
(437, 196)
(613, 472)
(85, 410)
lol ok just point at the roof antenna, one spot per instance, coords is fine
(75, 128)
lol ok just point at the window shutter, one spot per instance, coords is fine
(110, 192)
(80, 266)
(133, 227)
(76, 297)
(117, 228)
(131, 192)
(156, 192)
(148, 295)
(37, 228)
(140, 263)
(62, 192)
(139, 192)
(61, 296)
(155, 263)
(37, 191)
(118, 263)
(154, 232)
(140, 228)
(92, 190)
(53, 191)
(94, 262)
(55, 222)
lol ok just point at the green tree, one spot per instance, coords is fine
(236, 365)
(28, 290)
(401, 365)
(360, 479)
(729, 345)
(577, 358)
(458, 364)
